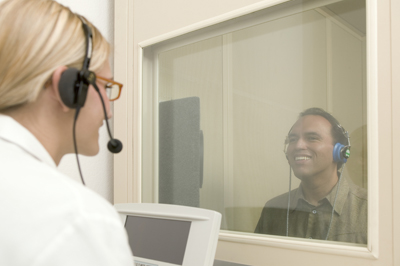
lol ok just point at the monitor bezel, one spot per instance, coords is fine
(203, 235)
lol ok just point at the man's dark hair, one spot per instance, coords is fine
(336, 130)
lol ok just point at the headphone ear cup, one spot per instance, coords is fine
(337, 153)
(66, 87)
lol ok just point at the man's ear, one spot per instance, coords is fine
(55, 80)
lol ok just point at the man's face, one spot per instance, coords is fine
(310, 148)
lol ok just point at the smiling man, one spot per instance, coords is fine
(325, 205)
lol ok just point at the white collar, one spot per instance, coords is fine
(13, 132)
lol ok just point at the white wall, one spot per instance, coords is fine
(97, 170)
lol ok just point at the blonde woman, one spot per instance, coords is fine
(47, 218)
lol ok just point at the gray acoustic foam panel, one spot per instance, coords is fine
(180, 152)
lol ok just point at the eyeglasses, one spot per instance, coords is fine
(113, 88)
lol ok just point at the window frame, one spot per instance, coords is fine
(374, 107)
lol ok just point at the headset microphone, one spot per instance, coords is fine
(114, 145)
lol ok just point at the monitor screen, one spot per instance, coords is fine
(158, 239)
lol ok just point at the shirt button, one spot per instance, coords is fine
(314, 211)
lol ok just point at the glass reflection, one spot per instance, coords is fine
(251, 85)
(326, 205)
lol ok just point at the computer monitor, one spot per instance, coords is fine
(170, 235)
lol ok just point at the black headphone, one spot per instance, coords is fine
(73, 88)
(340, 152)
(73, 85)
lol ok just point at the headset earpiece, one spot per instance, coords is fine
(341, 153)
(73, 89)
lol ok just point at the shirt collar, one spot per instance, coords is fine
(298, 195)
(13, 132)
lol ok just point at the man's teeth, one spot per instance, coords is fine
(302, 158)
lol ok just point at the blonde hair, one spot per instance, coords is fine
(36, 37)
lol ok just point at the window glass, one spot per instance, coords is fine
(230, 134)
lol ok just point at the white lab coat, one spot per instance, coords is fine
(46, 218)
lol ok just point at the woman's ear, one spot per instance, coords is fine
(55, 86)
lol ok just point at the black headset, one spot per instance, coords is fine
(341, 152)
(74, 84)
(73, 88)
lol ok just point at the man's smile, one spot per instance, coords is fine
(302, 158)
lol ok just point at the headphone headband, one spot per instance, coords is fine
(345, 133)
(74, 83)
(88, 36)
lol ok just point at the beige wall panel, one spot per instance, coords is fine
(347, 101)
(279, 69)
(283, 60)
(395, 20)
(196, 70)
(153, 18)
